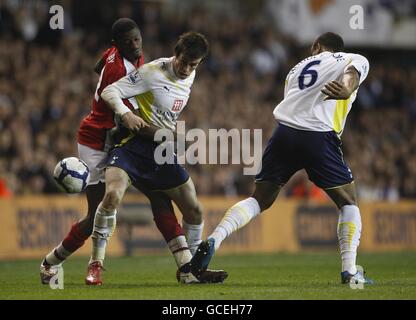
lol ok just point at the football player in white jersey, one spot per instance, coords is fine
(161, 89)
(318, 95)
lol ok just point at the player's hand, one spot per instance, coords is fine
(335, 90)
(133, 122)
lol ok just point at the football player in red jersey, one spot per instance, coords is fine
(93, 144)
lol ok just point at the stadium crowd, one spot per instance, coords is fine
(47, 83)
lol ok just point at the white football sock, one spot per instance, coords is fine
(104, 225)
(179, 248)
(57, 255)
(193, 234)
(349, 232)
(235, 218)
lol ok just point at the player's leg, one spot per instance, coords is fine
(81, 230)
(349, 227)
(234, 219)
(327, 169)
(343, 195)
(348, 231)
(185, 198)
(95, 194)
(278, 165)
(243, 212)
(121, 170)
(117, 182)
(168, 225)
(96, 161)
(171, 230)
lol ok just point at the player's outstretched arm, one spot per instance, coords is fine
(336, 90)
(113, 95)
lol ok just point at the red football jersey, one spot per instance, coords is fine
(94, 126)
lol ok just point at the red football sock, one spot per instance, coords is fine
(167, 224)
(75, 239)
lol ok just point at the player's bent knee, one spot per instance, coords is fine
(343, 196)
(112, 199)
(265, 203)
(265, 200)
(266, 193)
(193, 214)
(346, 202)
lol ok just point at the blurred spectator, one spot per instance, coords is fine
(47, 83)
(300, 187)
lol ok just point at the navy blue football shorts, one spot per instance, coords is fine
(136, 158)
(319, 153)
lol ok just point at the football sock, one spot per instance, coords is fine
(349, 232)
(179, 248)
(193, 233)
(72, 242)
(56, 257)
(167, 223)
(104, 225)
(235, 218)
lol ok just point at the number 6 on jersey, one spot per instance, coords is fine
(307, 71)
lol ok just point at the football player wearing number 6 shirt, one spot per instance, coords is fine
(121, 59)
(318, 95)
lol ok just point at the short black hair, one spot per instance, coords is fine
(121, 26)
(193, 45)
(331, 41)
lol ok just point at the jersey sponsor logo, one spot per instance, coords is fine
(177, 105)
(168, 116)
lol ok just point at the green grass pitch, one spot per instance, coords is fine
(251, 277)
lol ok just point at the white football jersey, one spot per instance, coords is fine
(303, 106)
(161, 96)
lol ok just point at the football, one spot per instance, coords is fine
(71, 175)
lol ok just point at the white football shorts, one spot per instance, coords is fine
(96, 161)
